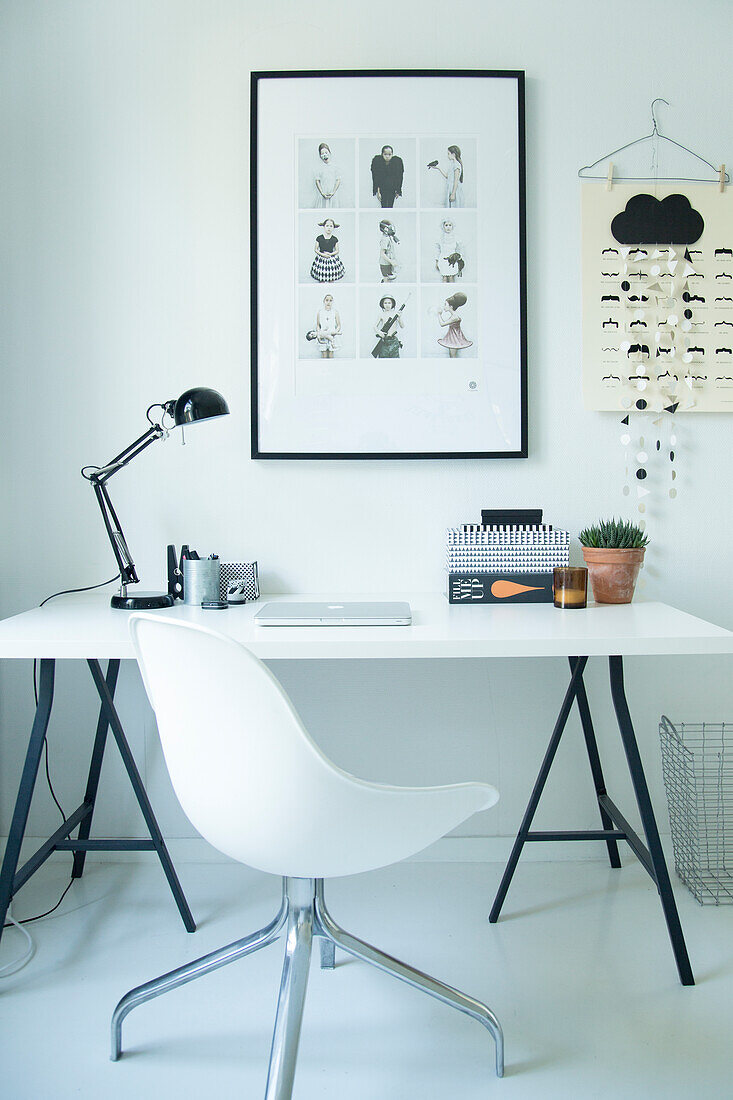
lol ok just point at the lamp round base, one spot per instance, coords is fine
(142, 601)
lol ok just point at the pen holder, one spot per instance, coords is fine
(201, 580)
(239, 581)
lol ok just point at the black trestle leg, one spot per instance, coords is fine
(95, 768)
(27, 784)
(141, 794)
(651, 832)
(579, 666)
(595, 763)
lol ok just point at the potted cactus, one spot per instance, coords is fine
(614, 551)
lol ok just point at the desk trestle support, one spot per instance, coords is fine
(13, 877)
(615, 827)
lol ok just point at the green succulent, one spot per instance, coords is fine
(614, 534)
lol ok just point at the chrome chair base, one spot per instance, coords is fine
(302, 916)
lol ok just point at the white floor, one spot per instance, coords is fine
(579, 971)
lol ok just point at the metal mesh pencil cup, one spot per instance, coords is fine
(697, 765)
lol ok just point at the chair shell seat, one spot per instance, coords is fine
(254, 783)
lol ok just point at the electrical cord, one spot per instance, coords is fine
(18, 964)
(167, 408)
(87, 588)
(64, 592)
(39, 916)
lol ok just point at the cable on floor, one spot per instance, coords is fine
(19, 963)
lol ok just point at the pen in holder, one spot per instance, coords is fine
(236, 581)
(201, 580)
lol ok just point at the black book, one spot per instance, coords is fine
(510, 517)
(499, 588)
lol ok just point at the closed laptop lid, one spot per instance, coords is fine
(336, 613)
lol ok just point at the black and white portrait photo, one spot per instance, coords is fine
(326, 173)
(326, 323)
(448, 171)
(388, 324)
(387, 247)
(387, 175)
(388, 172)
(448, 247)
(326, 247)
(449, 323)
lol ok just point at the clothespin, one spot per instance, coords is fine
(722, 178)
(609, 177)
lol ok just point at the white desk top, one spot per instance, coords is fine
(84, 625)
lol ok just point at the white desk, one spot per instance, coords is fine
(84, 626)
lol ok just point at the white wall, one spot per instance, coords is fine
(126, 279)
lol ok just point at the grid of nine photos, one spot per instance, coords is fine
(386, 257)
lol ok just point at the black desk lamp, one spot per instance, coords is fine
(193, 405)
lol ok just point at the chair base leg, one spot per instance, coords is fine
(188, 973)
(328, 953)
(325, 925)
(293, 987)
(302, 915)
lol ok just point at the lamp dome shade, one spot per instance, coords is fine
(199, 403)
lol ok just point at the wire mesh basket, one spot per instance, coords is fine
(697, 765)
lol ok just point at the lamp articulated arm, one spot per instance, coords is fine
(98, 477)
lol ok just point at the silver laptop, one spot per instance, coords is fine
(334, 614)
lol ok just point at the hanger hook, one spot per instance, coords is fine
(654, 101)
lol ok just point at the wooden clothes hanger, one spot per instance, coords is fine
(719, 175)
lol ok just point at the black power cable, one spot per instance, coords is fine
(64, 592)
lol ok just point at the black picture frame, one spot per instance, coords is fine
(279, 369)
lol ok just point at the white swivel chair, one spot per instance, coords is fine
(255, 785)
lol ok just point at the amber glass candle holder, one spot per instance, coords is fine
(570, 586)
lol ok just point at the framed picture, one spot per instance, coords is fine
(388, 265)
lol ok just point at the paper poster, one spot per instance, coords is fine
(657, 297)
(388, 273)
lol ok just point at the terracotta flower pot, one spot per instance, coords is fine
(612, 573)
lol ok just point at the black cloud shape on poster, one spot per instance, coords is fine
(669, 221)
